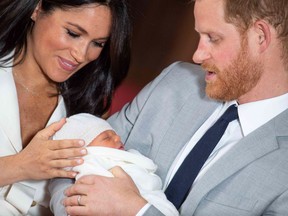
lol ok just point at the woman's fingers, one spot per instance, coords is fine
(44, 158)
(50, 130)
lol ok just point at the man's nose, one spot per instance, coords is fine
(201, 54)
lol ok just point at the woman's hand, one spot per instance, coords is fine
(100, 195)
(43, 158)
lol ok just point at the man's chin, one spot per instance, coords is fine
(218, 93)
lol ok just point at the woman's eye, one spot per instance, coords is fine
(72, 34)
(99, 44)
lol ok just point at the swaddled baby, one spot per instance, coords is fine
(105, 150)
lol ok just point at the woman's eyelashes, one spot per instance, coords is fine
(99, 44)
(73, 34)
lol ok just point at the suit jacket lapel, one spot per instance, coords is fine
(9, 118)
(187, 120)
(260, 142)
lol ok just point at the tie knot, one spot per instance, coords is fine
(230, 114)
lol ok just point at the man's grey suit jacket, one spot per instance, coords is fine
(249, 180)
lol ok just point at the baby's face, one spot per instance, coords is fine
(109, 139)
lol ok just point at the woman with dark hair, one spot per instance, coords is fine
(57, 58)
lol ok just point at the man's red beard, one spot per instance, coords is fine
(235, 80)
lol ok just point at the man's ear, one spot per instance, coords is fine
(262, 29)
(36, 11)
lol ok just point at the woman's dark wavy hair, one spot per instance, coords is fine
(91, 89)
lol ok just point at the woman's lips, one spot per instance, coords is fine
(67, 65)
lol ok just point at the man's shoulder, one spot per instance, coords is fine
(181, 68)
(180, 77)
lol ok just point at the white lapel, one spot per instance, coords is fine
(9, 111)
(59, 112)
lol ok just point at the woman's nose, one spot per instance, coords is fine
(79, 53)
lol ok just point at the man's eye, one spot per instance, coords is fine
(72, 34)
(213, 39)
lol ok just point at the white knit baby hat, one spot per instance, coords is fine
(82, 126)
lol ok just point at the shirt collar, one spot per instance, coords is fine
(255, 114)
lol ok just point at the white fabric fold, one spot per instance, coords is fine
(21, 196)
(140, 168)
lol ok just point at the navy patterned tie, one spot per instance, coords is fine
(183, 179)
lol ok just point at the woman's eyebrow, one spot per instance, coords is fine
(78, 27)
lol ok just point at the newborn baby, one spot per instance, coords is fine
(105, 150)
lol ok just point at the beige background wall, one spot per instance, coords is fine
(163, 32)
